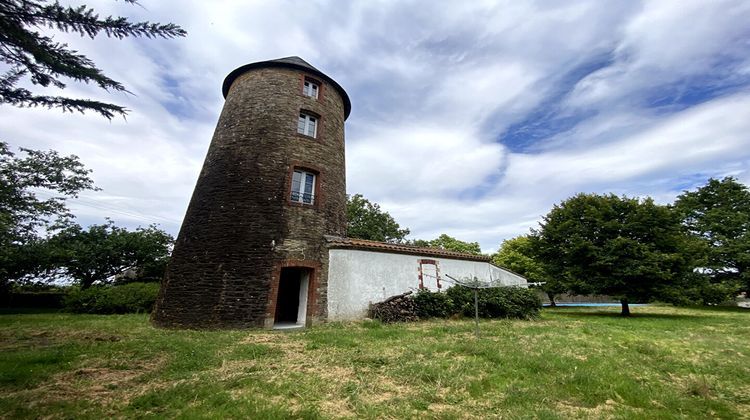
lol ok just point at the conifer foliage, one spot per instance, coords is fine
(29, 52)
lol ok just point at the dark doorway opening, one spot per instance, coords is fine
(291, 300)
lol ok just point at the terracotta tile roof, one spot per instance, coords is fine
(338, 242)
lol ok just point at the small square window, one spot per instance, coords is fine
(307, 124)
(310, 88)
(303, 187)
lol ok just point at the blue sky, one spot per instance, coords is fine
(467, 119)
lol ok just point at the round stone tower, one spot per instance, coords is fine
(251, 251)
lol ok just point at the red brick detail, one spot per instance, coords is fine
(319, 129)
(318, 82)
(353, 243)
(313, 282)
(319, 194)
(320, 134)
(437, 272)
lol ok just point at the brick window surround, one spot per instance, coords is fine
(318, 124)
(314, 281)
(422, 276)
(310, 88)
(318, 192)
(321, 87)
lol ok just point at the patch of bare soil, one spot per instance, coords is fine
(94, 382)
(607, 410)
(333, 372)
(695, 385)
(51, 338)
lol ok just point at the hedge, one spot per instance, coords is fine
(45, 299)
(502, 302)
(128, 298)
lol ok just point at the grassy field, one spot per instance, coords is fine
(587, 363)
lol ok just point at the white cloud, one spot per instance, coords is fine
(667, 42)
(409, 161)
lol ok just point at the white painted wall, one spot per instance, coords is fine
(304, 285)
(357, 278)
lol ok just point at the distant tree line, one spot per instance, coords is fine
(693, 251)
(365, 220)
(39, 240)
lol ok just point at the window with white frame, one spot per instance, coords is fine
(303, 187)
(307, 124)
(310, 88)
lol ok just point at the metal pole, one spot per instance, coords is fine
(476, 311)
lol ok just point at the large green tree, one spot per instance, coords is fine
(33, 188)
(103, 252)
(365, 220)
(30, 52)
(518, 255)
(619, 246)
(718, 216)
(449, 243)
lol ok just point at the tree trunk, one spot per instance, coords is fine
(625, 307)
(551, 297)
(86, 283)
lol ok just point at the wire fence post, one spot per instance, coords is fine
(476, 311)
(473, 284)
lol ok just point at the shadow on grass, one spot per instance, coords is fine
(21, 311)
(731, 309)
(578, 313)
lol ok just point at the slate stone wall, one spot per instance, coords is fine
(241, 228)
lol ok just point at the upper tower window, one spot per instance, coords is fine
(303, 187)
(307, 124)
(310, 88)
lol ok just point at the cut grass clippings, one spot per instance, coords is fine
(572, 362)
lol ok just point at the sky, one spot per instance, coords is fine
(468, 118)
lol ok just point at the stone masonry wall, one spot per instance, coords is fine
(240, 226)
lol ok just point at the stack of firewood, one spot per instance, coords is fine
(399, 308)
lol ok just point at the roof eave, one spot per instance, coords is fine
(344, 243)
(231, 77)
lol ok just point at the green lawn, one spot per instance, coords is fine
(589, 363)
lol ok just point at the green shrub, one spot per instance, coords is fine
(501, 302)
(131, 297)
(433, 304)
(698, 289)
(34, 296)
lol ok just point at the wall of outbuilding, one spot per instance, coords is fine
(357, 278)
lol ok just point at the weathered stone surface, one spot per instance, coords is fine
(240, 227)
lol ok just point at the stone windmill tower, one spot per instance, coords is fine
(251, 251)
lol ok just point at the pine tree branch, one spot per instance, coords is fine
(84, 21)
(45, 62)
(45, 59)
(25, 99)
